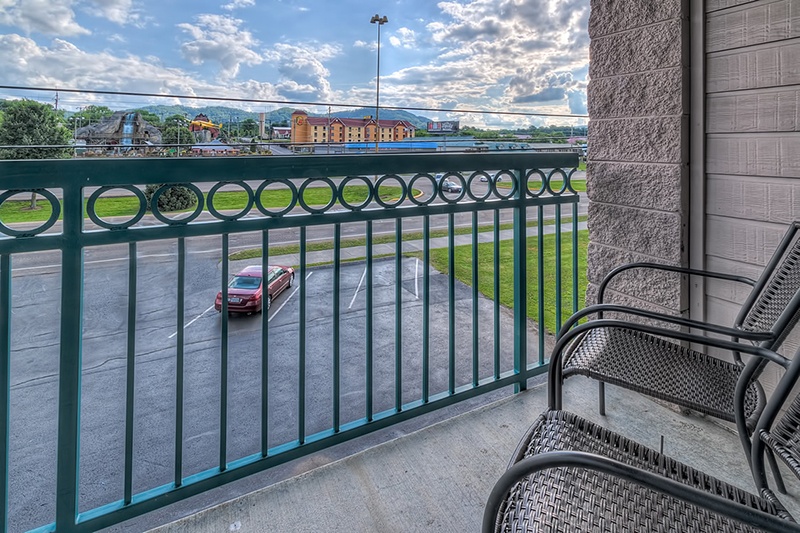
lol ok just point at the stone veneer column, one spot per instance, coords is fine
(637, 179)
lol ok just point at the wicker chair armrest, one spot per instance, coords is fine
(669, 268)
(554, 376)
(687, 322)
(650, 480)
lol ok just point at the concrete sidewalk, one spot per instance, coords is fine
(438, 478)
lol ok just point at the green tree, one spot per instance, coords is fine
(177, 135)
(249, 127)
(29, 123)
(94, 113)
(175, 120)
(150, 118)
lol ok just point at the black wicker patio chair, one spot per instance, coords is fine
(569, 474)
(654, 360)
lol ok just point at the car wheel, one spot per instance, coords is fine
(291, 279)
(269, 302)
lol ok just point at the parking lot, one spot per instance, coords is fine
(35, 345)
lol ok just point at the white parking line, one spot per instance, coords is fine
(363, 275)
(195, 319)
(416, 280)
(287, 299)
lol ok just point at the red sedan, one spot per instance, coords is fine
(245, 289)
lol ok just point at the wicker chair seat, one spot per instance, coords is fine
(784, 437)
(661, 369)
(573, 499)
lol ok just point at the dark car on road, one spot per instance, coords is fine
(245, 290)
(450, 186)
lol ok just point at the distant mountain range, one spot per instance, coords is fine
(277, 116)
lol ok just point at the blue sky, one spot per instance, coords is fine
(494, 55)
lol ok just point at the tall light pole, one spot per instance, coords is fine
(380, 21)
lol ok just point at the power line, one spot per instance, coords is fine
(290, 102)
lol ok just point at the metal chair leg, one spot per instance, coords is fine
(776, 473)
(602, 390)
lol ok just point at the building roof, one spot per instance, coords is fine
(357, 122)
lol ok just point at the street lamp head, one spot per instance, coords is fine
(378, 19)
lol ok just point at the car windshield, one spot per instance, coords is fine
(244, 282)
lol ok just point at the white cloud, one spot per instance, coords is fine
(57, 17)
(219, 39)
(363, 44)
(62, 64)
(119, 11)
(509, 54)
(303, 74)
(49, 17)
(237, 4)
(403, 38)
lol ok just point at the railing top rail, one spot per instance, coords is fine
(89, 172)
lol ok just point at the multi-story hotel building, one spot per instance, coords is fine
(307, 129)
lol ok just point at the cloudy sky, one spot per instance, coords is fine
(494, 55)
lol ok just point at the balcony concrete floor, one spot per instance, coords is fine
(438, 478)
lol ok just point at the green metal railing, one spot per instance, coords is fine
(538, 188)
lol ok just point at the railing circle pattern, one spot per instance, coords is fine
(176, 221)
(534, 183)
(263, 188)
(92, 204)
(362, 205)
(30, 232)
(317, 210)
(236, 216)
(404, 190)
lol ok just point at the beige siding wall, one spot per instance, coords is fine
(752, 139)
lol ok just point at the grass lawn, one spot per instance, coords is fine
(19, 210)
(578, 185)
(463, 272)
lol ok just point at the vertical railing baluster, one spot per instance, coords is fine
(264, 343)
(223, 378)
(496, 270)
(5, 382)
(574, 257)
(398, 315)
(337, 314)
(301, 360)
(520, 284)
(426, 308)
(70, 360)
(130, 372)
(475, 321)
(540, 281)
(558, 268)
(179, 362)
(451, 304)
(369, 324)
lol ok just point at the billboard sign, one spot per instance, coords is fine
(448, 126)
